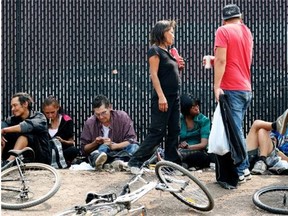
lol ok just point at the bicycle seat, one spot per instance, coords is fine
(110, 197)
(21, 151)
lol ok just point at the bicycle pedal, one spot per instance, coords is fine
(161, 186)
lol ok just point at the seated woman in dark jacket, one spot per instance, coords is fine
(195, 130)
(60, 127)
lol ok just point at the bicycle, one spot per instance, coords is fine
(171, 178)
(272, 199)
(24, 185)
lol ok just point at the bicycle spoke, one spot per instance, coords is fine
(25, 192)
(184, 186)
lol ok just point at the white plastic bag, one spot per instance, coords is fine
(218, 142)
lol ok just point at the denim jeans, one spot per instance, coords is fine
(122, 154)
(239, 102)
(131, 148)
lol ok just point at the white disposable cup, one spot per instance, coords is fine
(207, 61)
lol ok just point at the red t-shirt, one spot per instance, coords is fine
(238, 41)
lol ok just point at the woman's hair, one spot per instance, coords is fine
(157, 33)
(24, 97)
(187, 101)
(99, 100)
(51, 100)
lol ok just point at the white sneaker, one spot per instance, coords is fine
(241, 179)
(247, 174)
(100, 160)
(259, 168)
(245, 177)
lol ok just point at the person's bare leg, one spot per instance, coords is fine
(21, 143)
(252, 138)
(265, 142)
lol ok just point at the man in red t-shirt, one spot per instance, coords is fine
(232, 64)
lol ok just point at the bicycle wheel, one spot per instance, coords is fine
(184, 186)
(272, 199)
(39, 183)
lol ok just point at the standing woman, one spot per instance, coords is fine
(60, 127)
(165, 106)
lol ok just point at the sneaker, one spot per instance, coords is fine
(100, 160)
(119, 165)
(247, 174)
(242, 179)
(245, 177)
(259, 168)
(281, 123)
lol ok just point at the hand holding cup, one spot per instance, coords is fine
(208, 61)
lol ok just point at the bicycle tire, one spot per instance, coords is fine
(272, 199)
(195, 194)
(36, 174)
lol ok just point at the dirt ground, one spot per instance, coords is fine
(75, 185)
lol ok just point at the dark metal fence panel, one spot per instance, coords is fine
(71, 48)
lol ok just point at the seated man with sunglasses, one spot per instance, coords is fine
(108, 136)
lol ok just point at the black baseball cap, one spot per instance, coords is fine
(231, 11)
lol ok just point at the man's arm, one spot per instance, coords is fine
(117, 146)
(88, 148)
(127, 133)
(11, 129)
(219, 69)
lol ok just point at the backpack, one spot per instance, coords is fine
(57, 160)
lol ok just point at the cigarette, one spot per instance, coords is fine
(50, 121)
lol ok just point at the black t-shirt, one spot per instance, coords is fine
(168, 72)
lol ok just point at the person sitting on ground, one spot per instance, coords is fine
(267, 144)
(60, 126)
(25, 127)
(194, 133)
(109, 132)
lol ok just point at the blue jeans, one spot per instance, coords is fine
(239, 102)
(122, 154)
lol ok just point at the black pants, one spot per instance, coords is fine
(32, 143)
(70, 154)
(197, 159)
(161, 122)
